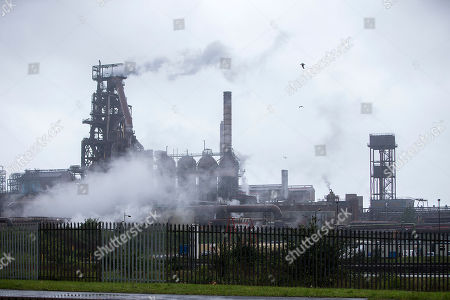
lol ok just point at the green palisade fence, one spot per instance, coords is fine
(21, 243)
(130, 252)
(139, 258)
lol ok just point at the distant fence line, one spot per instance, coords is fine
(21, 243)
(225, 255)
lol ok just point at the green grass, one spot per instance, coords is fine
(224, 290)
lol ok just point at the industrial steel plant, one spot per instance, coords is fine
(207, 185)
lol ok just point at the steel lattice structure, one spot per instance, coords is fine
(111, 126)
(382, 167)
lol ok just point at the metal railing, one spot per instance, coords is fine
(19, 252)
(294, 257)
(117, 252)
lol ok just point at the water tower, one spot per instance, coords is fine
(382, 167)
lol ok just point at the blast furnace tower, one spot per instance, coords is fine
(111, 124)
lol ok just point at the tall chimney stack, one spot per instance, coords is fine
(284, 184)
(227, 134)
(221, 138)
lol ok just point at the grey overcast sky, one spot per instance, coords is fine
(399, 64)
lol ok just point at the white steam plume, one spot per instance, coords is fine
(130, 186)
(191, 62)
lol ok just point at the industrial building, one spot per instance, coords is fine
(210, 181)
(282, 193)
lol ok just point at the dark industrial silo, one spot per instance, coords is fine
(186, 174)
(207, 177)
(228, 175)
(166, 171)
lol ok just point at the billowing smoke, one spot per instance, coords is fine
(242, 165)
(129, 186)
(334, 115)
(240, 68)
(191, 62)
(151, 66)
(194, 61)
(327, 182)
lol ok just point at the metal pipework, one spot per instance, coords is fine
(227, 209)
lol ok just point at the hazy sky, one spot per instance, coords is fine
(400, 66)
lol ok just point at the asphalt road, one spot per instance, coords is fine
(7, 294)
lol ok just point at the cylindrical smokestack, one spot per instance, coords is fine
(221, 137)
(227, 134)
(284, 184)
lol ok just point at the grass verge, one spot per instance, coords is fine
(222, 290)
